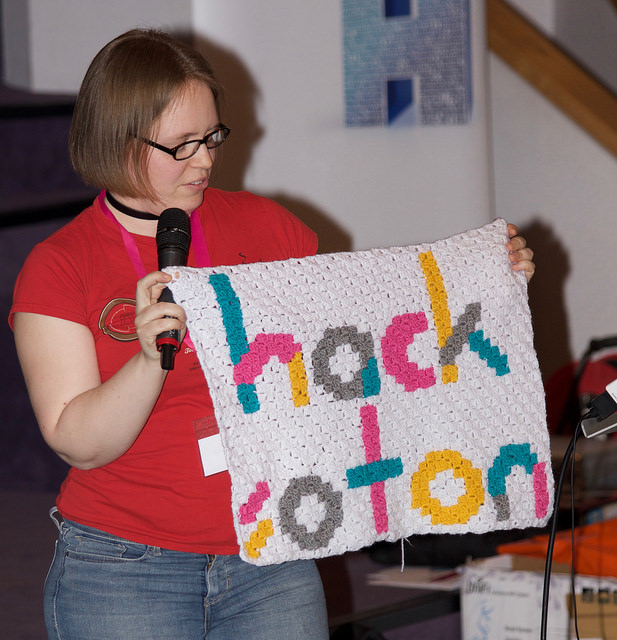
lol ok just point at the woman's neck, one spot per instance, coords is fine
(132, 223)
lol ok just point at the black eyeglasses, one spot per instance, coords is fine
(188, 149)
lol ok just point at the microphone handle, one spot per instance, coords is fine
(172, 256)
(167, 342)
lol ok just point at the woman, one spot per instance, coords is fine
(146, 546)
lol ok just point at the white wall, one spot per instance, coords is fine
(380, 186)
(587, 30)
(48, 44)
(541, 12)
(560, 186)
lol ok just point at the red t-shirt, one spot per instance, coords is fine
(156, 492)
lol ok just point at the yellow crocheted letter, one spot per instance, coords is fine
(467, 505)
(299, 381)
(258, 539)
(441, 312)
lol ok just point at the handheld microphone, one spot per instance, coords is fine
(173, 238)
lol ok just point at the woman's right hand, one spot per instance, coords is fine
(152, 317)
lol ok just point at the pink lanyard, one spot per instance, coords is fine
(198, 242)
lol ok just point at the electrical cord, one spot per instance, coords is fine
(577, 433)
(551, 539)
(600, 407)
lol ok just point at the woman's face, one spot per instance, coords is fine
(181, 183)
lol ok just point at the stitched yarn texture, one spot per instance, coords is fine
(373, 395)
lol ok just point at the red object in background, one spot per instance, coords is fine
(564, 405)
(595, 545)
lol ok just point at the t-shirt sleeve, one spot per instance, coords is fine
(48, 284)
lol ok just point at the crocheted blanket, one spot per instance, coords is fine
(373, 395)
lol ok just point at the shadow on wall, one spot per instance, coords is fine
(239, 112)
(332, 237)
(546, 297)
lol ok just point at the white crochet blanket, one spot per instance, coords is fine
(373, 395)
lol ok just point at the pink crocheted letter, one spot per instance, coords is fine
(399, 335)
(540, 488)
(250, 509)
(260, 351)
(264, 347)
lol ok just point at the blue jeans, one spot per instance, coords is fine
(101, 587)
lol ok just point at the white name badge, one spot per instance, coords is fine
(210, 446)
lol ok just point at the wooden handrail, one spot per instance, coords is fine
(553, 72)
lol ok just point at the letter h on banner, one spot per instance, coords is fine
(406, 62)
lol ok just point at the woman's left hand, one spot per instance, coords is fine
(521, 256)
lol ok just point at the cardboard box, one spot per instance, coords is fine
(501, 599)
(596, 614)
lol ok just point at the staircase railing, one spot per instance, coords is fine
(554, 73)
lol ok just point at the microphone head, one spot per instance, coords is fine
(173, 238)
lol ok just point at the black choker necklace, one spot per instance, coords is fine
(142, 215)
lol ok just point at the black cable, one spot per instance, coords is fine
(551, 540)
(575, 437)
(597, 408)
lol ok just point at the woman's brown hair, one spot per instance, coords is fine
(128, 85)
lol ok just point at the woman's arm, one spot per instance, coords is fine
(86, 422)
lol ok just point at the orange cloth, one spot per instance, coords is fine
(595, 548)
